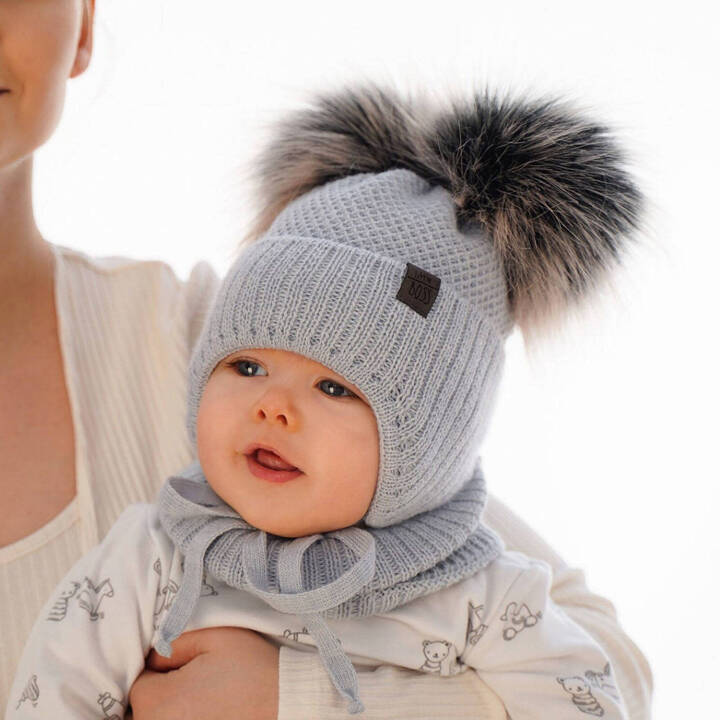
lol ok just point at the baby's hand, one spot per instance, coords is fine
(213, 674)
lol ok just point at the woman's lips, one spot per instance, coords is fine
(266, 473)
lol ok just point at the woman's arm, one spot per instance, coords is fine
(594, 613)
(214, 674)
(388, 693)
(532, 654)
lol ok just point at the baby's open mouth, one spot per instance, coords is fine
(271, 460)
(267, 465)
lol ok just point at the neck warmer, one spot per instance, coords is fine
(353, 572)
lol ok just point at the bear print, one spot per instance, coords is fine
(581, 695)
(440, 657)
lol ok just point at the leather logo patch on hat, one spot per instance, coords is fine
(419, 289)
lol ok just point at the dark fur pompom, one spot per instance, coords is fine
(549, 186)
(545, 183)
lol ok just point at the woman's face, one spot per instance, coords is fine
(42, 44)
(317, 421)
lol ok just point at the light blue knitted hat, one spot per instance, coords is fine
(399, 245)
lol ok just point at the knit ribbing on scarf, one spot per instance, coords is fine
(353, 572)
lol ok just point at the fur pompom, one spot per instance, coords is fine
(546, 183)
(353, 131)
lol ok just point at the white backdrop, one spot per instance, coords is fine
(602, 440)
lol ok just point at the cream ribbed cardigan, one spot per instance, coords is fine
(126, 330)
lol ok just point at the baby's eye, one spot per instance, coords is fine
(239, 366)
(337, 385)
(248, 368)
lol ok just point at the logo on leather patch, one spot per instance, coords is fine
(419, 289)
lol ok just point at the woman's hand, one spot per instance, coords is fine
(213, 674)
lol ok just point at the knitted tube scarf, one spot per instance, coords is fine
(353, 572)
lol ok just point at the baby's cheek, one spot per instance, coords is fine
(216, 452)
(357, 491)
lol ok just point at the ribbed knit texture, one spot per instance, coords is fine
(459, 696)
(118, 466)
(126, 330)
(29, 570)
(455, 696)
(352, 572)
(323, 282)
(413, 559)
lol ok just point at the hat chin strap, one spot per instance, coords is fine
(292, 599)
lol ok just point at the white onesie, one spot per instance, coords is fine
(90, 641)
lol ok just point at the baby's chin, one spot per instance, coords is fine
(295, 527)
(288, 515)
(292, 530)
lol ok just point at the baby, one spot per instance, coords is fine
(338, 394)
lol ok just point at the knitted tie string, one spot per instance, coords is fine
(294, 600)
(188, 594)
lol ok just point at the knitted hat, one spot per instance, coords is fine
(398, 246)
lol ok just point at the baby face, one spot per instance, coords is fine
(312, 417)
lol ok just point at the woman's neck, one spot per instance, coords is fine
(26, 259)
(25, 255)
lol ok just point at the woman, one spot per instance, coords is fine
(92, 394)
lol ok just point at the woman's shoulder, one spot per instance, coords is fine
(142, 290)
(117, 266)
